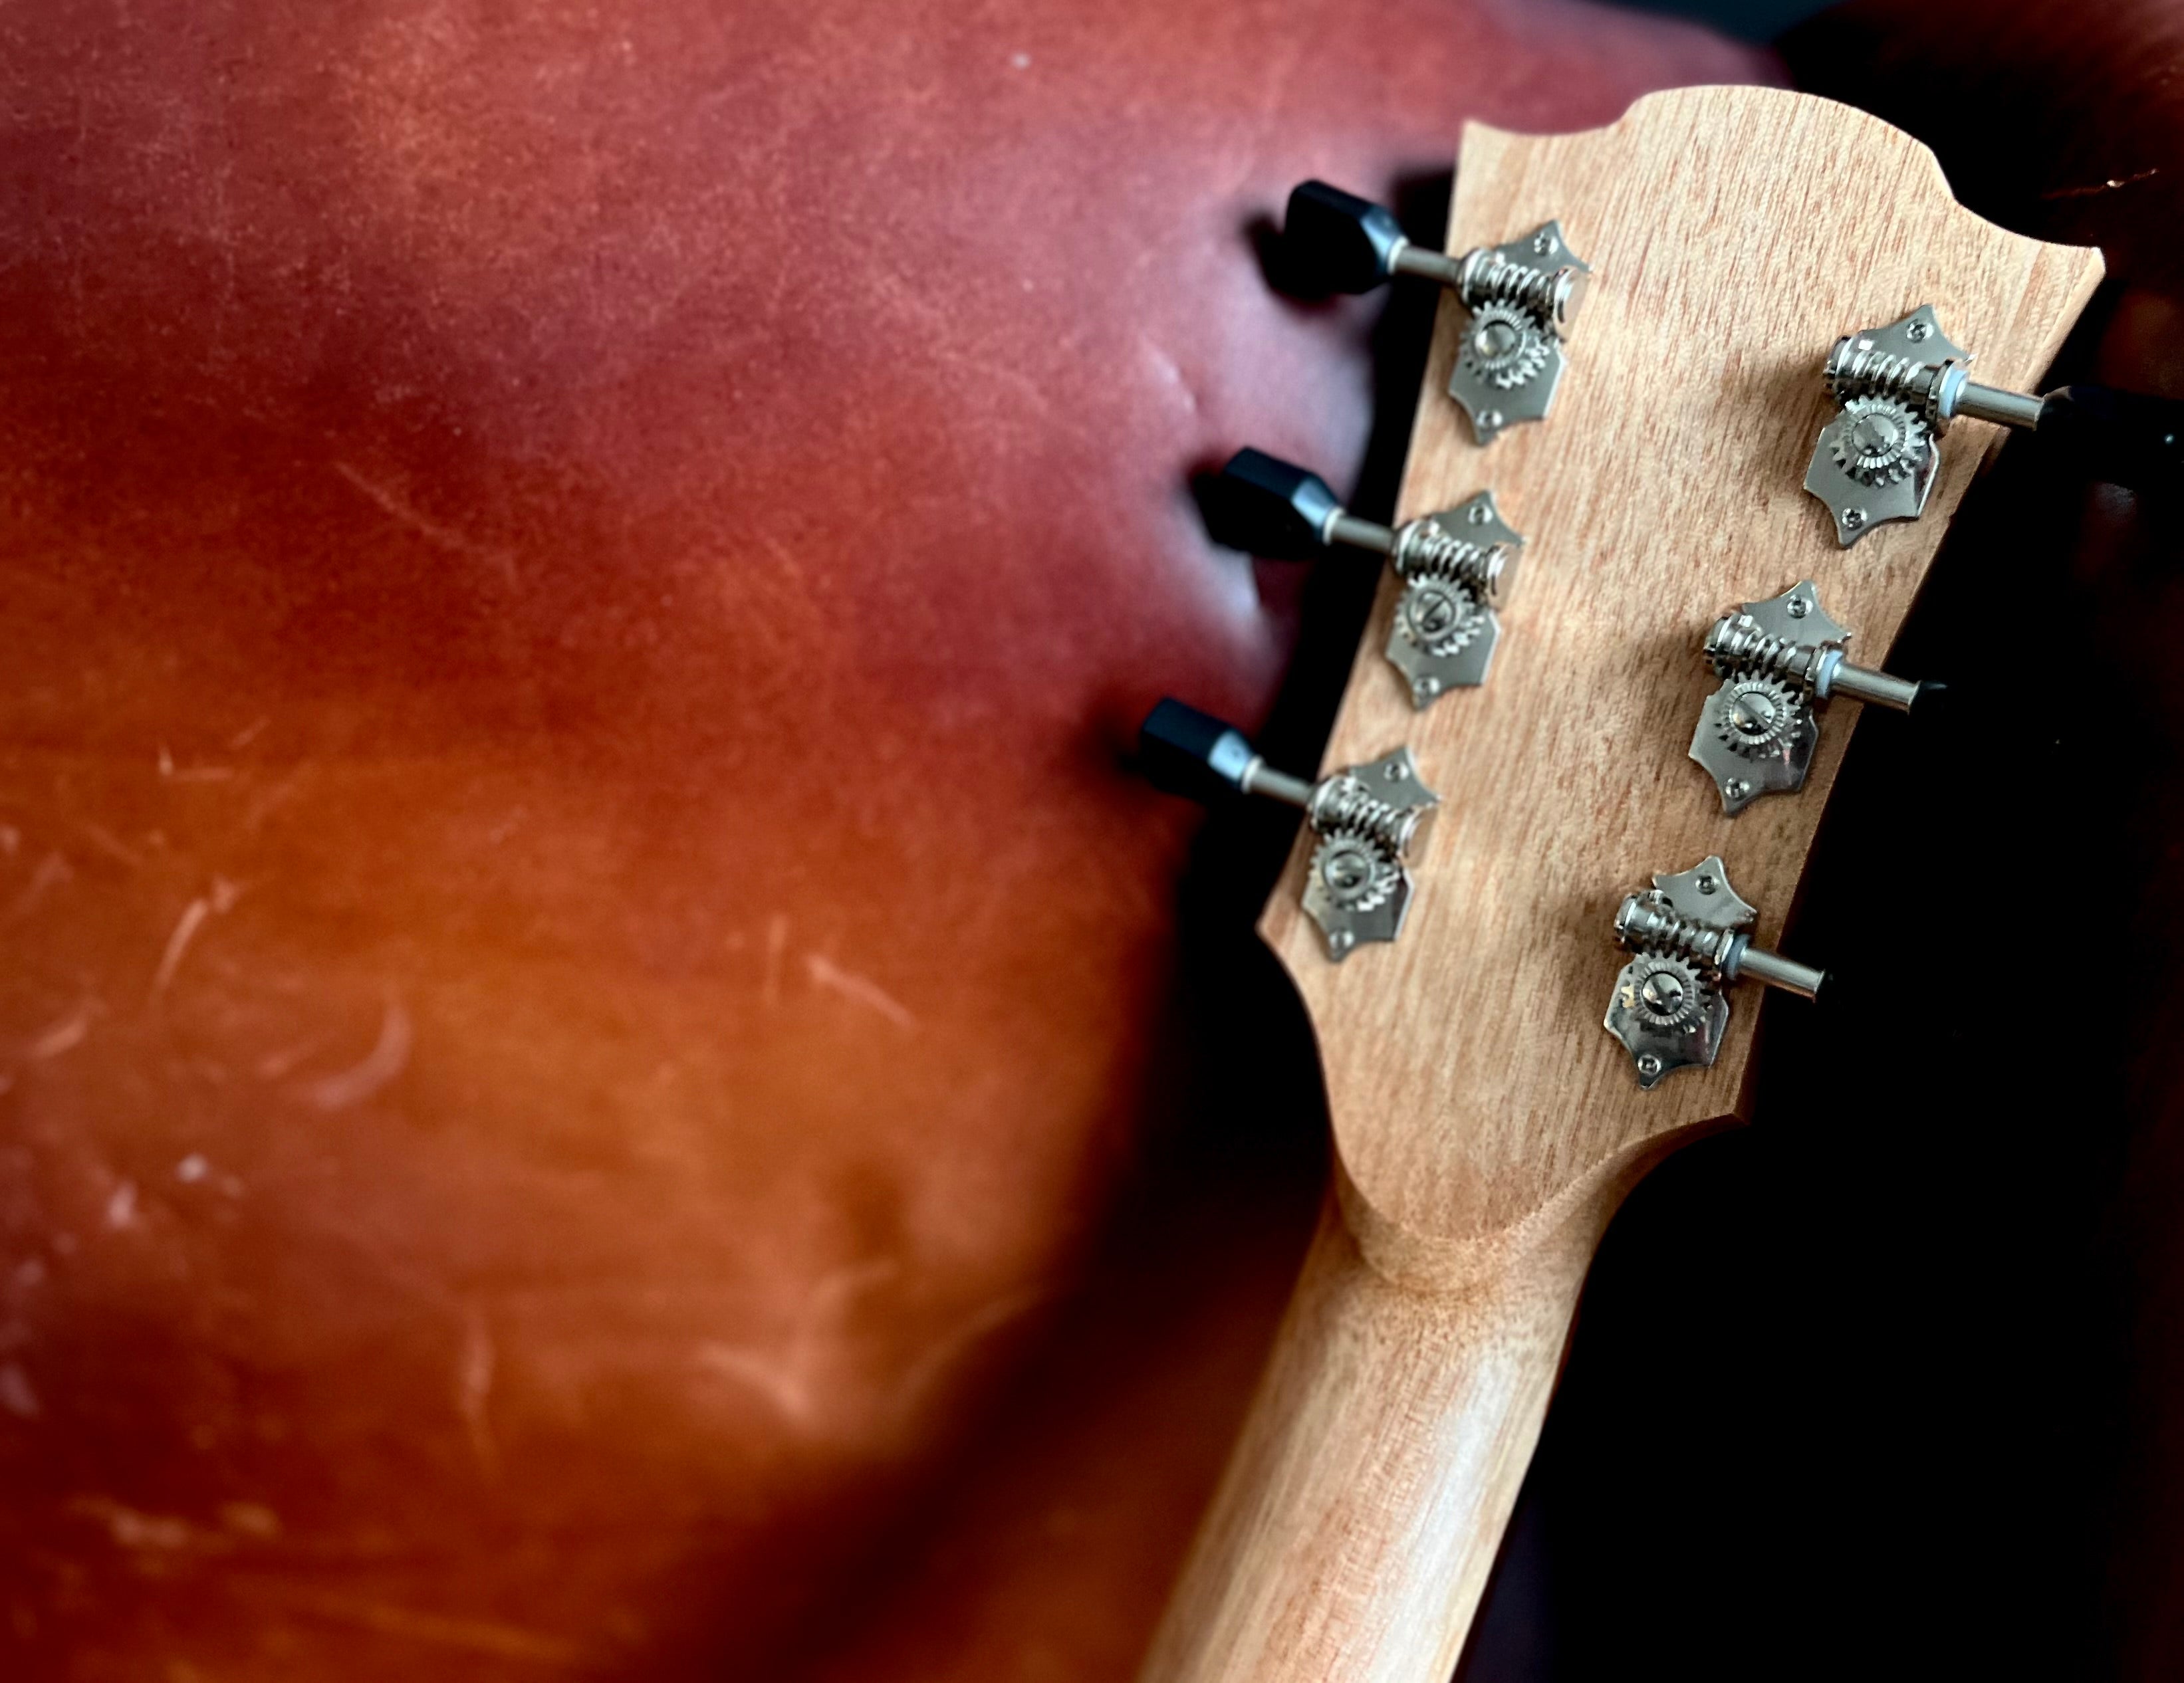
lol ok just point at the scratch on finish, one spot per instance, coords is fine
(178, 943)
(471, 1636)
(400, 508)
(777, 944)
(279, 1062)
(952, 1346)
(62, 1034)
(271, 800)
(16, 1395)
(474, 1388)
(52, 872)
(113, 846)
(2114, 184)
(388, 1057)
(220, 901)
(130, 1528)
(790, 1376)
(825, 973)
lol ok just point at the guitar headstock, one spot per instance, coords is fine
(1733, 235)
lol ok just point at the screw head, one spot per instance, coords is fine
(1736, 789)
(1341, 940)
(1478, 516)
(1853, 519)
(1918, 330)
(1394, 773)
(1433, 613)
(1706, 882)
(1490, 420)
(1496, 340)
(1753, 714)
(1648, 1065)
(1663, 992)
(1543, 242)
(1800, 606)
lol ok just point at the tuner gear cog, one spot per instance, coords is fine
(1357, 874)
(1665, 994)
(1504, 346)
(1878, 441)
(1440, 617)
(1757, 715)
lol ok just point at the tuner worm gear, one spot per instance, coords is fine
(1757, 715)
(1504, 347)
(1878, 441)
(1357, 876)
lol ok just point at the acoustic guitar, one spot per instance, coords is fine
(1720, 374)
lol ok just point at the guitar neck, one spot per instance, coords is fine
(1486, 1120)
(1358, 1521)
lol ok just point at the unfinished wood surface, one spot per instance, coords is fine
(1358, 1520)
(1486, 1125)
(1734, 234)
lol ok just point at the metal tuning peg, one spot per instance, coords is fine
(1457, 566)
(1691, 936)
(1780, 662)
(1358, 887)
(1522, 296)
(1899, 387)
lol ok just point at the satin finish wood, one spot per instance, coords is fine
(1486, 1125)
(1734, 234)
(1354, 1532)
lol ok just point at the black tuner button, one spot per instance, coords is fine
(1191, 753)
(1264, 506)
(1334, 241)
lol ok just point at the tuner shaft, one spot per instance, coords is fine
(1439, 266)
(1346, 528)
(1860, 683)
(1261, 779)
(1774, 970)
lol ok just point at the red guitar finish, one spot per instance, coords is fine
(580, 974)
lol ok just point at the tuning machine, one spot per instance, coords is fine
(1457, 566)
(1357, 886)
(1522, 296)
(1690, 934)
(1899, 387)
(1780, 662)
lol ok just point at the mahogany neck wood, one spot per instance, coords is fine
(1486, 1125)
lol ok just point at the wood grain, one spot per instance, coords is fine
(1486, 1126)
(1734, 234)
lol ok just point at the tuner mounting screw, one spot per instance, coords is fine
(1357, 882)
(1691, 938)
(1779, 661)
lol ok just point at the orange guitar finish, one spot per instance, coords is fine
(581, 975)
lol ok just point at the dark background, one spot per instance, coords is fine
(1748, 20)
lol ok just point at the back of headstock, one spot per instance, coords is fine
(1486, 1122)
(1733, 233)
